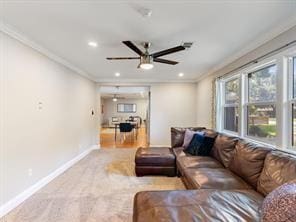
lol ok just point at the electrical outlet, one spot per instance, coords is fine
(30, 172)
(40, 105)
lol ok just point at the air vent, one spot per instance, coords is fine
(145, 12)
(187, 45)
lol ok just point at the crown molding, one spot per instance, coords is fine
(261, 40)
(268, 36)
(142, 81)
(12, 32)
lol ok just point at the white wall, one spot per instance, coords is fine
(98, 114)
(203, 104)
(110, 108)
(41, 139)
(172, 104)
(204, 86)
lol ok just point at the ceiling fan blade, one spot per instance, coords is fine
(170, 62)
(120, 58)
(133, 47)
(168, 51)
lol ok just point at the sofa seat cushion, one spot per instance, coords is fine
(197, 205)
(197, 162)
(279, 168)
(179, 151)
(213, 178)
(248, 161)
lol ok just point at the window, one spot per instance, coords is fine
(261, 109)
(258, 102)
(293, 103)
(294, 77)
(262, 121)
(262, 84)
(293, 125)
(231, 105)
(126, 108)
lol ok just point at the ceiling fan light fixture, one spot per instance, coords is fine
(146, 66)
(114, 99)
(146, 62)
(147, 59)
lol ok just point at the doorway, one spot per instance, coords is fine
(125, 116)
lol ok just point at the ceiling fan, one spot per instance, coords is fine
(115, 96)
(147, 59)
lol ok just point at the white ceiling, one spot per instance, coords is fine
(219, 29)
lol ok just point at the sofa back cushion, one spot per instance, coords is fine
(279, 168)
(178, 133)
(210, 133)
(248, 161)
(223, 148)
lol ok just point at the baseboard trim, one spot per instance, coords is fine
(13, 203)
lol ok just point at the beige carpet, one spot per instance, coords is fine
(100, 187)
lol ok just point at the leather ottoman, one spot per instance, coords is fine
(155, 161)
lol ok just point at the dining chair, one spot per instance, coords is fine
(125, 128)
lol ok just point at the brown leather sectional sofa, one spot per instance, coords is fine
(229, 185)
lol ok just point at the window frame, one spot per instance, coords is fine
(235, 105)
(283, 102)
(248, 103)
(292, 145)
(224, 104)
(291, 99)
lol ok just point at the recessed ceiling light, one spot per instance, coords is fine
(181, 74)
(117, 74)
(93, 44)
